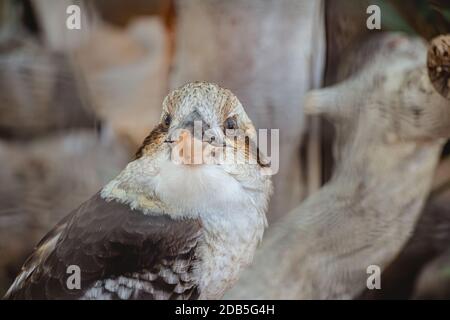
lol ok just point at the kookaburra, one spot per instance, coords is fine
(164, 229)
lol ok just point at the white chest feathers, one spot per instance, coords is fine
(232, 224)
(229, 247)
(233, 217)
(192, 190)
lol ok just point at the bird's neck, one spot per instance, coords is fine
(166, 188)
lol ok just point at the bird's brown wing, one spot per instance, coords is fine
(121, 254)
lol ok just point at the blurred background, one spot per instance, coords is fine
(76, 104)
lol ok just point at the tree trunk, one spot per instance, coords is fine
(390, 122)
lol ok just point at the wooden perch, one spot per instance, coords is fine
(389, 123)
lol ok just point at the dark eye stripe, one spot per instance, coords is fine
(231, 123)
(167, 120)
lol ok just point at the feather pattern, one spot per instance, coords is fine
(122, 254)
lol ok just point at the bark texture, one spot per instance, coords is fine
(389, 123)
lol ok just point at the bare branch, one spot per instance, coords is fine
(389, 124)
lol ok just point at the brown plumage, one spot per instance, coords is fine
(109, 241)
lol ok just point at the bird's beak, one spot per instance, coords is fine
(188, 150)
(194, 142)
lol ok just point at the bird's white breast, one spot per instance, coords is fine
(229, 246)
(233, 225)
(233, 217)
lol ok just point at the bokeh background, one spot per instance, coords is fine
(76, 104)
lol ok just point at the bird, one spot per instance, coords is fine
(165, 227)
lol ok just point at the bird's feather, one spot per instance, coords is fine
(121, 253)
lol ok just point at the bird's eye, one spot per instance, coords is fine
(167, 120)
(231, 123)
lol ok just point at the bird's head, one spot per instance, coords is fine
(204, 147)
(201, 124)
